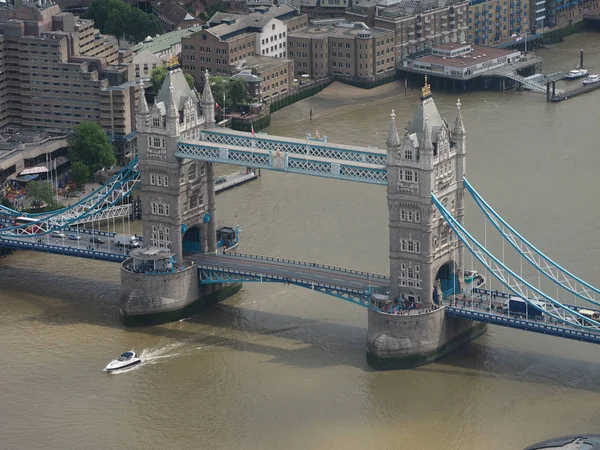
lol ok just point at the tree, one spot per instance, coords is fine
(159, 74)
(89, 145)
(122, 20)
(216, 7)
(237, 90)
(6, 203)
(234, 91)
(40, 191)
(80, 173)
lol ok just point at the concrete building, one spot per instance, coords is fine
(321, 9)
(58, 71)
(165, 46)
(495, 21)
(561, 13)
(232, 38)
(143, 63)
(350, 49)
(276, 74)
(425, 257)
(418, 24)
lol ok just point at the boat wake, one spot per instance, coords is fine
(152, 356)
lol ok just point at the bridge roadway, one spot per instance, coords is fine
(279, 269)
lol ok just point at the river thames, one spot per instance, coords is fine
(279, 367)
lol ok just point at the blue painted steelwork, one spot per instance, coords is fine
(373, 276)
(293, 146)
(544, 264)
(213, 275)
(527, 325)
(284, 162)
(103, 198)
(482, 254)
(192, 242)
(60, 250)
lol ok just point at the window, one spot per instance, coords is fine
(155, 122)
(192, 172)
(408, 154)
(152, 179)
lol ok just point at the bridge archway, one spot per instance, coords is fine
(193, 239)
(447, 280)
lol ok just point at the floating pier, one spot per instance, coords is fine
(234, 179)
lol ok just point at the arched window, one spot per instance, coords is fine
(192, 172)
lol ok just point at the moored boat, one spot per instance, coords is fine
(576, 73)
(591, 80)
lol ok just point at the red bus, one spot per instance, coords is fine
(33, 229)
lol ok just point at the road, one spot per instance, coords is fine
(311, 272)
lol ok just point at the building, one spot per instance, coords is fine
(231, 39)
(173, 15)
(561, 13)
(418, 24)
(58, 71)
(495, 21)
(167, 45)
(320, 9)
(344, 48)
(275, 74)
(144, 63)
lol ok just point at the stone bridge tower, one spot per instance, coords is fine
(429, 158)
(157, 285)
(179, 194)
(425, 259)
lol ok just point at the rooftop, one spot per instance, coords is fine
(407, 8)
(265, 63)
(164, 41)
(478, 55)
(341, 29)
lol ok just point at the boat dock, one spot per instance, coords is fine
(232, 180)
(573, 93)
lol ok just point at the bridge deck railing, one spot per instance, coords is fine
(60, 250)
(538, 327)
(308, 264)
(280, 278)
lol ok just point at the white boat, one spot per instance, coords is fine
(591, 79)
(127, 359)
(576, 73)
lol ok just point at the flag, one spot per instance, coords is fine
(217, 105)
(252, 125)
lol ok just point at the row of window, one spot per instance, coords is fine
(161, 237)
(410, 276)
(159, 180)
(156, 142)
(410, 216)
(159, 209)
(410, 246)
(408, 175)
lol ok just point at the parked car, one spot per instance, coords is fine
(58, 234)
(74, 237)
(96, 240)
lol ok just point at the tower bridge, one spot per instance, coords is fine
(425, 308)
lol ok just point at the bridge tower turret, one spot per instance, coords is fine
(425, 260)
(177, 206)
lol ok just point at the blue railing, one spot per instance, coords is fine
(537, 327)
(308, 264)
(59, 250)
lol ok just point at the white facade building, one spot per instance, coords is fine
(272, 39)
(144, 62)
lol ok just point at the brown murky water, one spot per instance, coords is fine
(278, 367)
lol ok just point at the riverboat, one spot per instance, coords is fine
(591, 80)
(127, 359)
(576, 73)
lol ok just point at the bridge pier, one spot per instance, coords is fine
(153, 298)
(406, 341)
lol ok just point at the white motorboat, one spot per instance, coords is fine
(127, 359)
(591, 79)
(576, 73)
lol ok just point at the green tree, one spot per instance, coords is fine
(122, 20)
(237, 90)
(6, 203)
(216, 7)
(89, 145)
(234, 91)
(80, 173)
(158, 75)
(40, 191)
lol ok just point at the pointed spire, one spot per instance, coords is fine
(142, 106)
(171, 108)
(427, 144)
(392, 139)
(207, 96)
(459, 126)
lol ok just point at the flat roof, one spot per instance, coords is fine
(478, 55)
(332, 31)
(266, 63)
